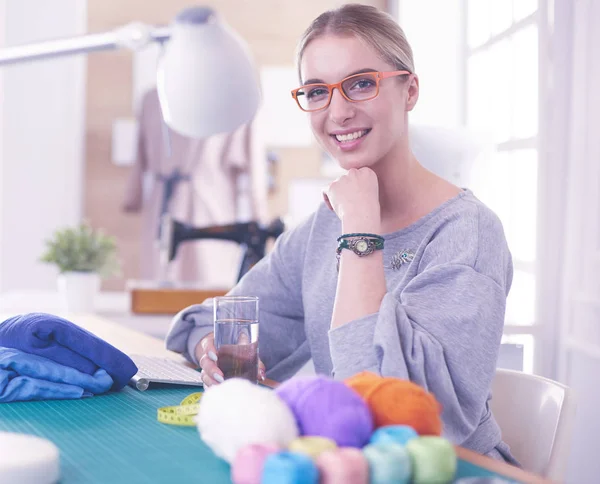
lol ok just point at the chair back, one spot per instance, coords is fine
(535, 415)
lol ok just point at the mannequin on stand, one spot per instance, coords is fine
(218, 180)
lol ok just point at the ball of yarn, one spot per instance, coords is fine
(346, 465)
(238, 413)
(311, 445)
(289, 468)
(394, 401)
(328, 408)
(388, 462)
(433, 459)
(28, 459)
(398, 434)
(247, 468)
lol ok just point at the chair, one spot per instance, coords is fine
(535, 415)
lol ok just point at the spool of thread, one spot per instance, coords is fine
(328, 408)
(433, 460)
(346, 465)
(398, 402)
(249, 462)
(238, 413)
(311, 445)
(289, 468)
(388, 462)
(398, 434)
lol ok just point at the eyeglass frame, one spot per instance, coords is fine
(379, 76)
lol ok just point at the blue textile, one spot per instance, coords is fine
(24, 376)
(66, 343)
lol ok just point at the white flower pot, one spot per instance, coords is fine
(78, 291)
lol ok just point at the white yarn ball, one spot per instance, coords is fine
(27, 459)
(237, 413)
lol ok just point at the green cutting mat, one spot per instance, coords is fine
(116, 438)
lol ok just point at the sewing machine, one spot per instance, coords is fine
(167, 297)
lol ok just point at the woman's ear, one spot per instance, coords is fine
(413, 92)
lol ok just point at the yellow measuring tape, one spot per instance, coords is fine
(182, 414)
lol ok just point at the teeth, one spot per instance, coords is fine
(350, 136)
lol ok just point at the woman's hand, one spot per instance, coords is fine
(354, 197)
(206, 354)
(207, 357)
(361, 286)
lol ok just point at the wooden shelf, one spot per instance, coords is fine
(148, 300)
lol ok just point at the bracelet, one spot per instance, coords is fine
(361, 246)
(372, 236)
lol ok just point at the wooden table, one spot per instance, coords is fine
(130, 341)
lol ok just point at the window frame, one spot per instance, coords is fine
(539, 332)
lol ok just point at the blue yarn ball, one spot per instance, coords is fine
(399, 434)
(388, 462)
(289, 468)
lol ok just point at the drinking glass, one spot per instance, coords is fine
(236, 336)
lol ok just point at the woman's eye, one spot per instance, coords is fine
(317, 92)
(363, 84)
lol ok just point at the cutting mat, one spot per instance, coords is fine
(116, 438)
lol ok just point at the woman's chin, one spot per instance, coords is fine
(350, 162)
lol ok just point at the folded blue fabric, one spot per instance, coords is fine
(66, 343)
(24, 376)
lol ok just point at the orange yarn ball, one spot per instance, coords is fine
(393, 401)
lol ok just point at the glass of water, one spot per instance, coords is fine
(236, 336)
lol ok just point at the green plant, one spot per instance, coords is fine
(82, 249)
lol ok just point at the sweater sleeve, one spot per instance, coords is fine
(443, 329)
(277, 281)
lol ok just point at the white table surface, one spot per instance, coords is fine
(114, 306)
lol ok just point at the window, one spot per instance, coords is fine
(501, 100)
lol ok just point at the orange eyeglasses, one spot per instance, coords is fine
(355, 88)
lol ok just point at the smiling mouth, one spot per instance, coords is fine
(348, 137)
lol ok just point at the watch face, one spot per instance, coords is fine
(362, 246)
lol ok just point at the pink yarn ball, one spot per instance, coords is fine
(346, 465)
(328, 408)
(249, 461)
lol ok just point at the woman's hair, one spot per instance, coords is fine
(373, 26)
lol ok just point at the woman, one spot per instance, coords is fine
(422, 296)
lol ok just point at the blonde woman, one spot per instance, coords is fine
(398, 272)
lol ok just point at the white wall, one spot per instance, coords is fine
(434, 29)
(41, 139)
(2, 43)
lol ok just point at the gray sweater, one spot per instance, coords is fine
(439, 324)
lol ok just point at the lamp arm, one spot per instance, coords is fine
(132, 36)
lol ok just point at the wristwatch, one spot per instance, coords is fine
(361, 246)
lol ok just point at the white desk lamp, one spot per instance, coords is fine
(206, 80)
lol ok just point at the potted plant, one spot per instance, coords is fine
(83, 256)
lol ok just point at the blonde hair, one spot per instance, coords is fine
(376, 28)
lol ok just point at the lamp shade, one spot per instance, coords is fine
(207, 82)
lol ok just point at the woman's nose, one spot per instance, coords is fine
(340, 109)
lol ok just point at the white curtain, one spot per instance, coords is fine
(575, 145)
(570, 226)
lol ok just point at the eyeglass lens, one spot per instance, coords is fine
(356, 88)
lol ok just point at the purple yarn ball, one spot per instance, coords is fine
(328, 408)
